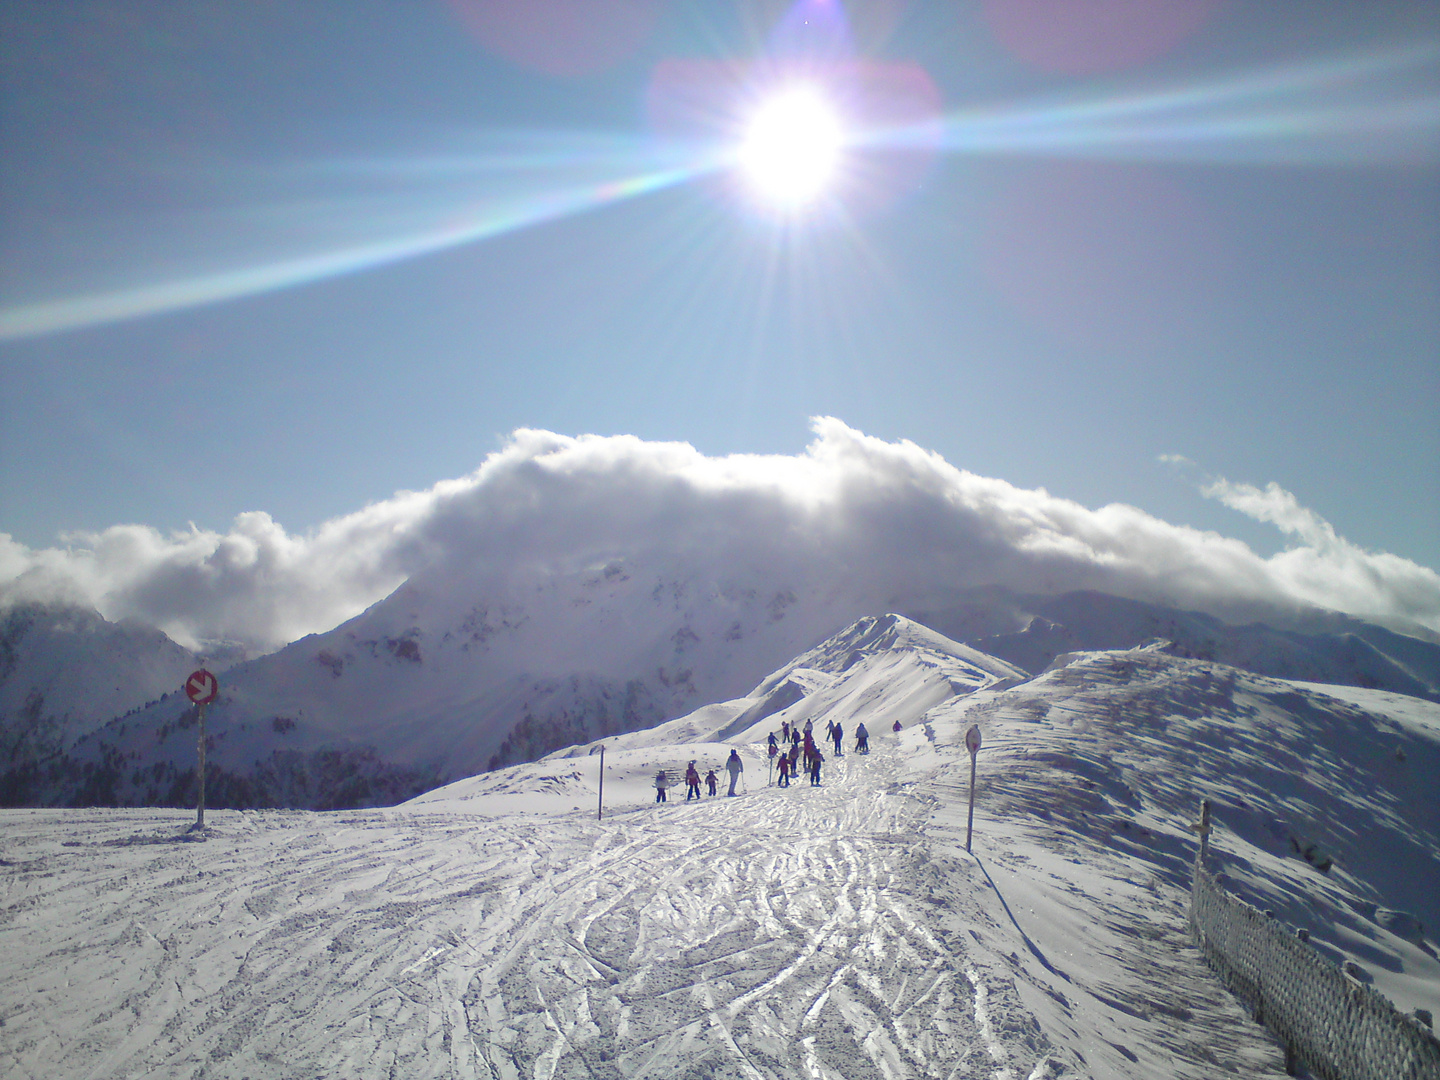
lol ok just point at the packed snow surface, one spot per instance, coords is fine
(498, 928)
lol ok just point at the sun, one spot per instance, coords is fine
(791, 150)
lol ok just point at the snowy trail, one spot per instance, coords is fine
(781, 934)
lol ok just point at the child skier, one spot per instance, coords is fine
(692, 782)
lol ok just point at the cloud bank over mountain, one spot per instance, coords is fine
(891, 519)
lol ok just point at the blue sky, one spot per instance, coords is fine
(296, 257)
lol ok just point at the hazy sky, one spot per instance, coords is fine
(292, 257)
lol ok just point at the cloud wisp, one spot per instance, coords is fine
(853, 513)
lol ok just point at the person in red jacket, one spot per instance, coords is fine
(692, 782)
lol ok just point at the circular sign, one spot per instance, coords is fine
(972, 740)
(202, 688)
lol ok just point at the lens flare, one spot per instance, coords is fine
(791, 150)
(850, 131)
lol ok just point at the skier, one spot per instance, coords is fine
(661, 783)
(711, 782)
(815, 759)
(837, 733)
(785, 731)
(897, 726)
(692, 782)
(862, 739)
(734, 766)
(784, 780)
(794, 757)
(774, 749)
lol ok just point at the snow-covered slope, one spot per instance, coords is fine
(1030, 631)
(1327, 798)
(1328, 804)
(65, 670)
(881, 669)
(496, 927)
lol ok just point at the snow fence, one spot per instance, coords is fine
(1340, 1028)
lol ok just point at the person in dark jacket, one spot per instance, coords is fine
(815, 759)
(661, 783)
(692, 782)
(862, 739)
(711, 783)
(837, 733)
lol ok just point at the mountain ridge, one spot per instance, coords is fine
(448, 677)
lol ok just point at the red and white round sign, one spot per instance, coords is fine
(972, 740)
(202, 688)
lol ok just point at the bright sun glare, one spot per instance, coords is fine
(791, 148)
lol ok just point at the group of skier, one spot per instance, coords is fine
(733, 765)
(794, 748)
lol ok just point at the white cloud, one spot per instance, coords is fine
(1277, 506)
(886, 519)
(1324, 568)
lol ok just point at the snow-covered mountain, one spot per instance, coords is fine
(881, 669)
(447, 677)
(1031, 631)
(65, 671)
(453, 674)
(495, 927)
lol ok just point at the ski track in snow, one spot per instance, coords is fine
(773, 935)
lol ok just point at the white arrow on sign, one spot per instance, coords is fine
(202, 687)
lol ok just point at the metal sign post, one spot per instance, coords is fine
(600, 808)
(202, 688)
(972, 743)
(200, 758)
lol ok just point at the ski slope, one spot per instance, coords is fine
(778, 934)
(804, 932)
(497, 928)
